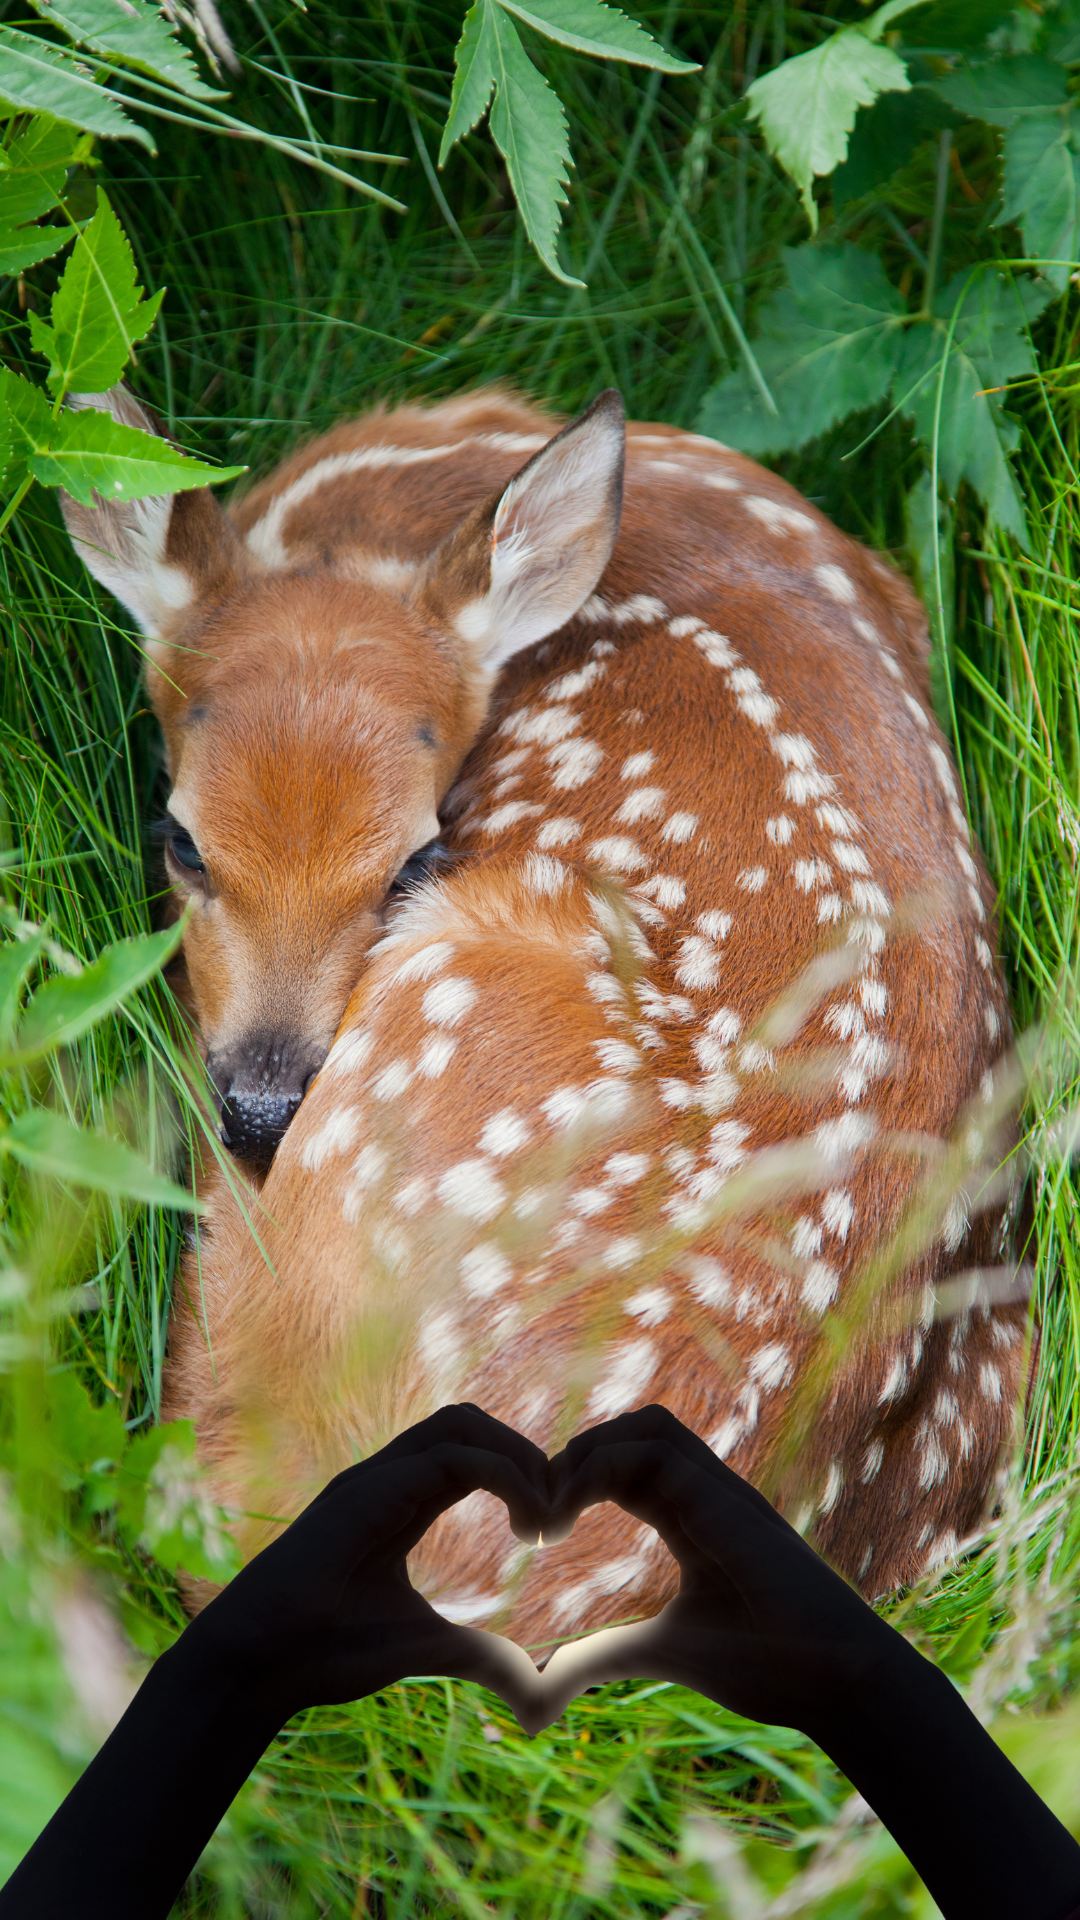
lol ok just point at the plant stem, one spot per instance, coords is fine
(15, 503)
(941, 190)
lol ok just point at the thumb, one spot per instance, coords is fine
(490, 1660)
(633, 1652)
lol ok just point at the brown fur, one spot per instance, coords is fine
(294, 734)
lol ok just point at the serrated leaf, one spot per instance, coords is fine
(829, 344)
(1004, 91)
(885, 137)
(66, 1007)
(98, 312)
(39, 78)
(1042, 190)
(32, 184)
(592, 27)
(44, 1142)
(474, 76)
(134, 32)
(806, 107)
(529, 128)
(527, 122)
(166, 1506)
(89, 452)
(989, 348)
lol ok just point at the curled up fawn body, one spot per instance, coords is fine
(624, 1103)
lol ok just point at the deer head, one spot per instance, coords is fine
(314, 724)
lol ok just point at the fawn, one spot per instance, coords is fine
(623, 1104)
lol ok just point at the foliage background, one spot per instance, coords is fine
(291, 302)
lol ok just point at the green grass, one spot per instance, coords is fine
(290, 305)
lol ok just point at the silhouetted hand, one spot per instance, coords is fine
(760, 1623)
(327, 1612)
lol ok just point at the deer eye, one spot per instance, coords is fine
(182, 848)
(420, 866)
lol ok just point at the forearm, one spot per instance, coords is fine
(133, 1826)
(983, 1842)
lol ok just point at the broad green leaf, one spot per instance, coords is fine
(592, 27)
(17, 957)
(89, 452)
(25, 422)
(44, 1142)
(953, 25)
(828, 345)
(989, 348)
(167, 1507)
(885, 137)
(527, 121)
(807, 106)
(928, 527)
(64, 1008)
(31, 184)
(98, 312)
(87, 1440)
(43, 79)
(131, 31)
(1003, 91)
(1042, 190)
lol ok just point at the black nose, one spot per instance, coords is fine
(261, 1080)
(253, 1124)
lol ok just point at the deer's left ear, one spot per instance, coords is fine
(522, 564)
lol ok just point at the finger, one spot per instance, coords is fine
(616, 1653)
(468, 1426)
(492, 1661)
(693, 1512)
(654, 1423)
(401, 1498)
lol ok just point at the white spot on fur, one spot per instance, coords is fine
(448, 1001)
(574, 762)
(837, 1212)
(679, 827)
(484, 1270)
(650, 1306)
(638, 765)
(618, 854)
(505, 1132)
(424, 963)
(631, 1367)
(559, 832)
(470, 1188)
(819, 1286)
(544, 875)
(753, 879)
(336, 1135)
(836, 583)
(435, 1055)
(780, 830)
(777, 517)
(771, 1366)
(645, 803)
(707, 1281)
(699, 963)
(392, 1081)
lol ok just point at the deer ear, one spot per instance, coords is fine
(522, 564)
(157, 555)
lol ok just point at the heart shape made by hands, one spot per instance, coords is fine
(537, 1696)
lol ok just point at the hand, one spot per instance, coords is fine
(760, 1624)
(327, 1613)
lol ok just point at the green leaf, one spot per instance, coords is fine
(527, 122)
(592, 27)
(474, 76)
(166, 1508)
(953, 25)
(1003, 91)
(31, 184)
(989, 348)
(89, 452)
(928, 527)
(134, 32)
(44, 1142)
(1042, 190)
(829, 344)
(885, 137)
(66, 1007)
(98, 312)
(87, 1440)
(807, 106)
(43, 79)
(17, 957)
